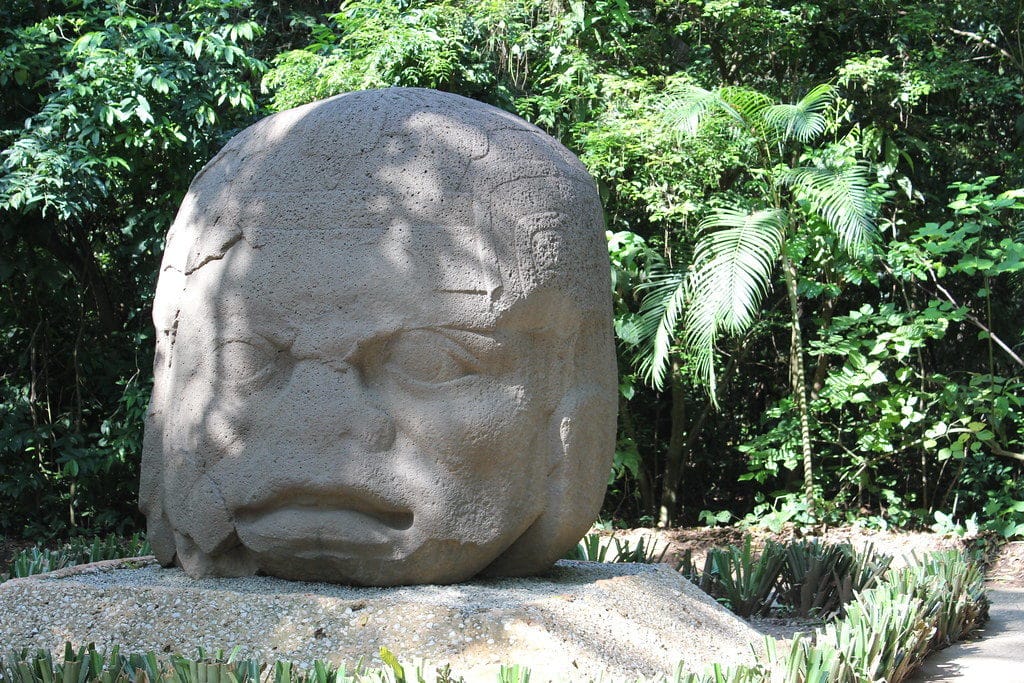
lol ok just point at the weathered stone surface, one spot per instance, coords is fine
(579, 621)
(384, 351)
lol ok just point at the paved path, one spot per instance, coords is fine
(997, 658)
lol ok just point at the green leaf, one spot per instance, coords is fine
(392, 662)
(663, 298)
(733, 263)
(842, 197)
(687, 107)
(803, 120)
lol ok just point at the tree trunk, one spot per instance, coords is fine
(76, 254)
(796, 364)
(669, 508)
(644, 478)
(821, 369)
(683, 439)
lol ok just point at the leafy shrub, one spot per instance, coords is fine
(884, 636)
(952, 591)
(592, 548)
(37, 560)
(747, 584)
(810, 577)
(87, 665)
(725, 674)
(889, 629)
(819, 578)
(597, 548)
(893, 620)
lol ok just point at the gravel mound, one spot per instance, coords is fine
(579, 621)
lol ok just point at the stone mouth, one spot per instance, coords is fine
(327, 508)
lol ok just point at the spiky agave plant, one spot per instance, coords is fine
(799, 184)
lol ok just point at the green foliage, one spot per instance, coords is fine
(884, 419)
(513, 674)
(952, 593)
(374, 45)
(37, 560)
(798, 194)
(745, 583)
(786, 509)
(595, 547)
(108, 110)
(541, 59)
(818, 579)
(804, 577)
(884, 636)
(87, 665)
(887, 630)
(109, 92)
(713, 519)
(725, 674)
(733, 265)
(739, 245)
(902, 88)
(892, 622)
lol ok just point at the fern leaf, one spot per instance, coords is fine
(749, 104)
(687, 107)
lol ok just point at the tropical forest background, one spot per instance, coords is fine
(814, 213)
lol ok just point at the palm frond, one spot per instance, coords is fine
(662, 305)
(749, 104)
(733, 264)
(804, 120)
(842, 197)
(686, 107)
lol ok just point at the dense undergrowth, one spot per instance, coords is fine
(879, 622)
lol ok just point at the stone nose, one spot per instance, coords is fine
(334, 404)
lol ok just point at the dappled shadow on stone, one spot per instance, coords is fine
(384, 349)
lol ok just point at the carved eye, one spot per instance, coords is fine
(244, 363)
(429, 358)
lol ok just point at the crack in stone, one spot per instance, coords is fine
(219, 254)
(172, 334)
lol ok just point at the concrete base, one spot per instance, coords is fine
(579, 621)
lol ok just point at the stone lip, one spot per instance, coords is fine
(579, 621)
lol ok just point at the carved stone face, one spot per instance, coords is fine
(405, 377)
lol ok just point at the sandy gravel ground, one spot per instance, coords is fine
(580, 621)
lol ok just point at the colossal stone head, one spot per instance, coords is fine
(384, 352)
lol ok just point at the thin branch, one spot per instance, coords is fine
(985, 41)
(972, 319)
(977, 323)
(998, 450)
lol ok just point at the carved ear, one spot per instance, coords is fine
(576, 490)
(573, 489)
